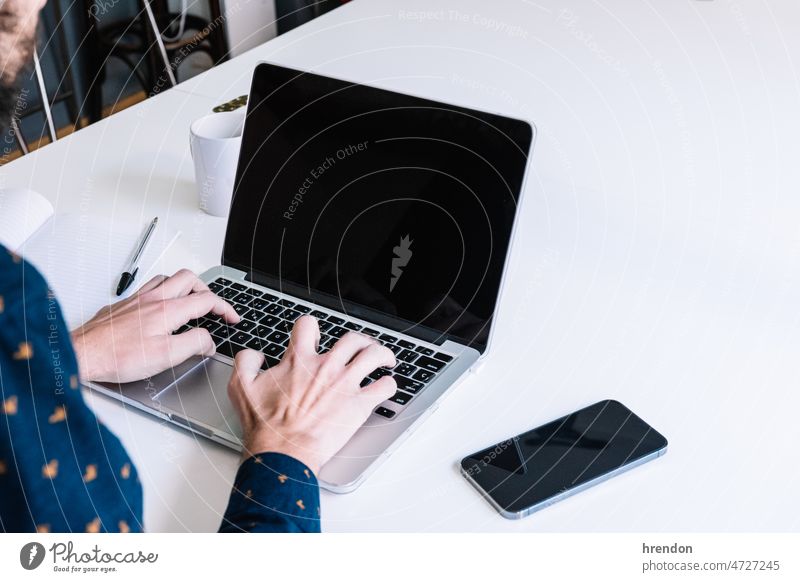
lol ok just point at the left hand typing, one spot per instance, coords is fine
(133, 339)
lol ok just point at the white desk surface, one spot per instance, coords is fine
(658, 260)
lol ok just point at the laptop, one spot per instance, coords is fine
(375, 212)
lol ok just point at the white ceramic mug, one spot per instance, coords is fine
(214, 141)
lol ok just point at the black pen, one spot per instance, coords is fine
(126, 279)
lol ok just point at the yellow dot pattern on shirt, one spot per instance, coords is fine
(24, 351)
(123, 527)
(308, 475)
(282, 478)
(59, 414)
(10, 405)
(3, 467)
(125, 472)
(301, 505)
(90, 474)
(50, 470)
(93, 526)
(73, 382)
(43, 528)
(249, 493)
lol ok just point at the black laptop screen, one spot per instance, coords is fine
(388, 207)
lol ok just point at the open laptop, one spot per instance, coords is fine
(373, 211)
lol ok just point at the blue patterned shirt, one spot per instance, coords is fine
(61, 470)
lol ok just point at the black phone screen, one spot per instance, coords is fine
(527, 470)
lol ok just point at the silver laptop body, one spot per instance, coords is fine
(194, 397)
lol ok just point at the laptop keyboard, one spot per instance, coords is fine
(266, 326)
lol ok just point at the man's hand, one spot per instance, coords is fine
(309, 405)
(133, 339)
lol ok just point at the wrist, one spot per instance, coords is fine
(255, 446)
(86, 369)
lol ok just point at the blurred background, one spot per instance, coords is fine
(97, 57)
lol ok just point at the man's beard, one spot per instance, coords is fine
(20, 55)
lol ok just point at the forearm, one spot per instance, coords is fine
(273, 493)
(61, 470)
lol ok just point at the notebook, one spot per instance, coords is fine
(80, 258)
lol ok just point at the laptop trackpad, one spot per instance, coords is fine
(201, 395)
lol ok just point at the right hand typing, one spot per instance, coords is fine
(310, 404)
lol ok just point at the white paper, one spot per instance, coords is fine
(22, 213)
(83, 260)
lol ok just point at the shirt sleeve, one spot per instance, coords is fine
(274, 493)
(61, 470)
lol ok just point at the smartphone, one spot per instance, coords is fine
(530, 471)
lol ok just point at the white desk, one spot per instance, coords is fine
(658, 263)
